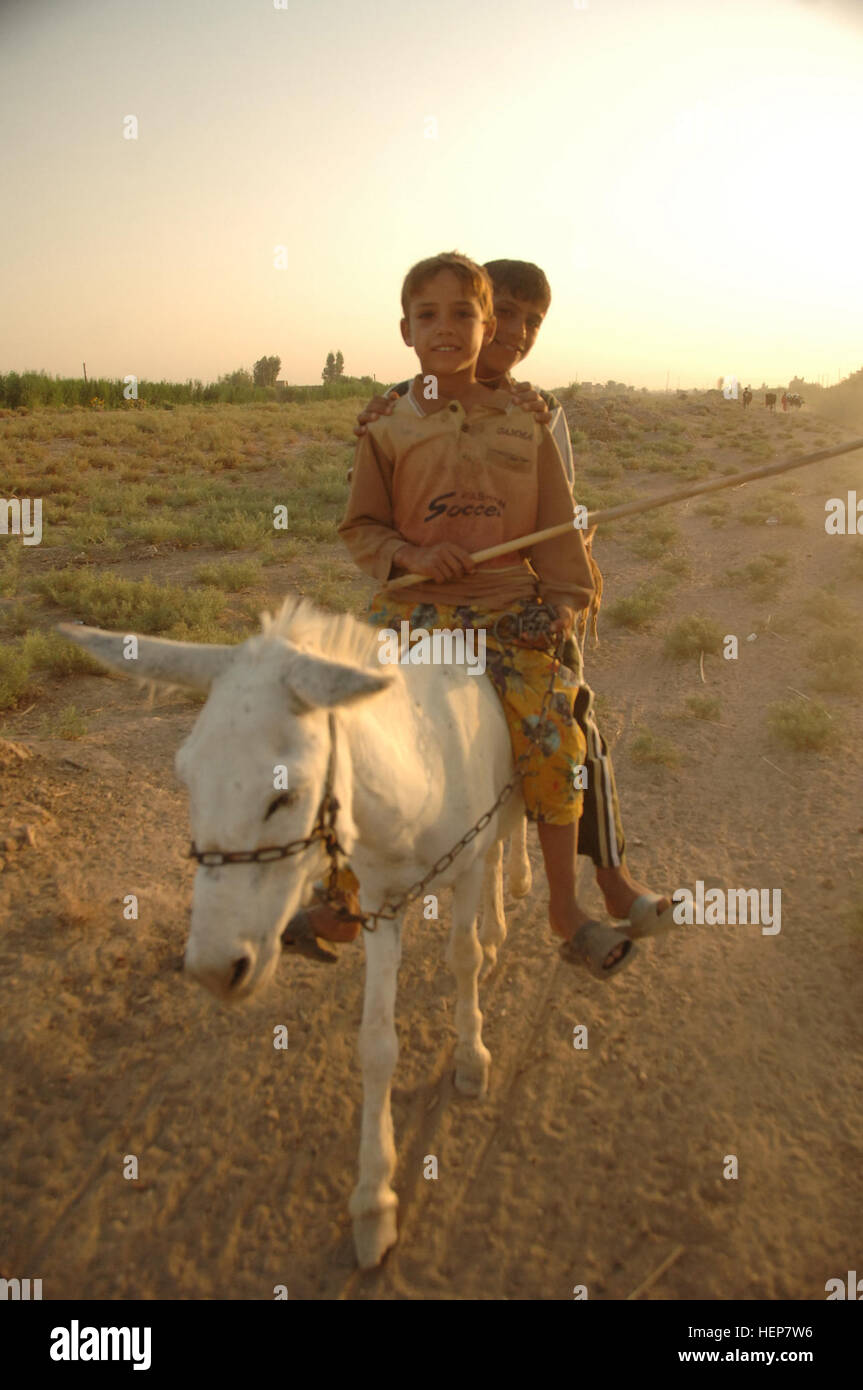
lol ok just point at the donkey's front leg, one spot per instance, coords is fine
(472, 1058)
(373, 1203)
(520, 872)
(492, 932)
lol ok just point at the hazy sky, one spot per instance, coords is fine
(687, 173)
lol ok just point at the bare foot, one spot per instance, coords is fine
(565, 918)
(620, 892)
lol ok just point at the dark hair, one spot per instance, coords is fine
(471, 275)
(522, 278)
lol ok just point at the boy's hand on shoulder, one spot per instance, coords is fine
(440, 562)
(377, 406)
(529, 399)
(563, 623)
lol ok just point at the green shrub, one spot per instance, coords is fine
(101, 599)
(837, 659)
(692, 636)
(801, 726)
(638, 609)
(649, 750)
(230, 575)
(51, 651)
(14, 675)
(707, 707)
(68, 723)
(654, 537)
(762, 576)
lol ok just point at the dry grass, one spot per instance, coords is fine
(801, 726)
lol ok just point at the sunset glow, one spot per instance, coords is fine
(687, 176)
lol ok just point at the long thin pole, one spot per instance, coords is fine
(768, 470)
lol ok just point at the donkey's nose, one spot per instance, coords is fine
(223, 979)
(240, 970)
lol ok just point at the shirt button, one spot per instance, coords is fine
(465, 428)
(454, 406)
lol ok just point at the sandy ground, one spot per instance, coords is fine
(581, 1167)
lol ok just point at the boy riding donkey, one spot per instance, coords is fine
(474, 444)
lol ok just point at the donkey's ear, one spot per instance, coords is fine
(193, 664)
(320, 683)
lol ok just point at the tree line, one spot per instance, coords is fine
(240, 387)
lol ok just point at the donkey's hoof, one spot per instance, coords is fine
(374, 1235)
(471, 1077)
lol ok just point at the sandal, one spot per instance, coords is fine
(644, 920)
(592, 946)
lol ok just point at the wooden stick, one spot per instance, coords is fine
(768, 470)
(788, 687)
(775, 768)
(657, 1273)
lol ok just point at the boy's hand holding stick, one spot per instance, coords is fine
(633, 508)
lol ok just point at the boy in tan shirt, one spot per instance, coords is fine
(522, 297)
(458, 467)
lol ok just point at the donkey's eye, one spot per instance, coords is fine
(283, 799)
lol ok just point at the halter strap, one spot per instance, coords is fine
(324, 829)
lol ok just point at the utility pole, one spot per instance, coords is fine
(84, 365)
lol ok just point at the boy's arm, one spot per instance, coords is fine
(367, 529)
(559, 427)
(561, 563)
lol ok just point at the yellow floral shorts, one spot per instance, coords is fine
(551, 778)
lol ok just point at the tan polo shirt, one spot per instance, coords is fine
(477, 479)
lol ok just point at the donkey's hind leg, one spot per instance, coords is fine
(492, 932)
(472, 1058)
(520, 872)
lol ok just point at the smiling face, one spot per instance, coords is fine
(518, 323)
(445, 326)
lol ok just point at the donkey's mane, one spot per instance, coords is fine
(336, 635)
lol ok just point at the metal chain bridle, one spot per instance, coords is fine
(533, 623)
(324, 830)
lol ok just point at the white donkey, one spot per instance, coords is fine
(415, 755)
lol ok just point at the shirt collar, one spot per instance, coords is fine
(495, 400)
